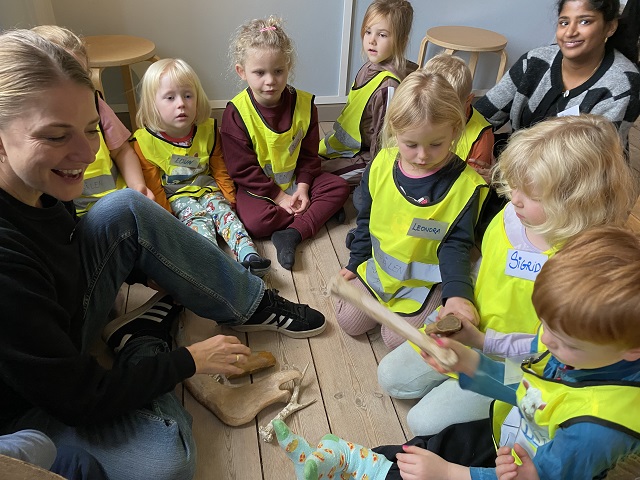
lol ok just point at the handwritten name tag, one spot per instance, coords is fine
(184, 161)
(430, 229)
(523, 264)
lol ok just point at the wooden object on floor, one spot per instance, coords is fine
(343, 289)
(237, 405)
(466, 39)
(18, 470)
(255, 362)
(119, 51)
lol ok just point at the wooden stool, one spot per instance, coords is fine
(119, 51)
(466, 39)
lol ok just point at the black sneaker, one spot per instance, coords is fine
(257, 265)
(340, 216)
(153, 318)
(280, 315)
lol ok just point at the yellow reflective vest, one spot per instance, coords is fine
(101, 178)
(346, 139)
(545, 405)
(277, 152)
(185, 170)
(406, 237)
(475, 127)
(503, 300)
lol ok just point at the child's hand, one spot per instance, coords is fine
(461, 308)
(506, 468)
(483, 168)
(283, 200)
(468, 359)
(420, 464)
(143, 189)
(469, 335)
(300, 199)
(347, 274)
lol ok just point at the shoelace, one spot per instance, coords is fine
(293, 310)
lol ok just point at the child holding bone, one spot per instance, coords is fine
(573, 412)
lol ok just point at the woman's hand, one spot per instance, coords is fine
(420, 464)
(283, 200)
(469, 335)
(461, 308)
(506, 468)
(468, 360)
(300, 199)
(219, 354)
(347, 274)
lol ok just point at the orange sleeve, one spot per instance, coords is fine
(152, 179)
(482, 149)
(219, 172)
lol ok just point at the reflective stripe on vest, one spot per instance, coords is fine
(503, 301)
(476, 125)
(185, 170)
(277, 152)
(101, 178)
(346, 139)
(403, 266)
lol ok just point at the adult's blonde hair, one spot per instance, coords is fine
(575, 167)
(261, 34)
(179, 73)
(423, 97)
(30, 66)
(589, 289)
(64, 37)
(399, 14)
(455, 70)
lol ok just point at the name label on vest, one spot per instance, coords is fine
(296, 141)
(95, 185)
(523, 264)
(184, 161)
(430, 229)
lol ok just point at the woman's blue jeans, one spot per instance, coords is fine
(122, 233)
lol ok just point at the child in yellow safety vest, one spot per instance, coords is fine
(270, 140)
(116, 165)
(574, 408)
(181, 156)
(354, 140)
(420, 206)
(476, 142)
(562, 176)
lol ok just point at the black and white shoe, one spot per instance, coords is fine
(153, 318)
(280, 315)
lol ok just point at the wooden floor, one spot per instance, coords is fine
(341, 375)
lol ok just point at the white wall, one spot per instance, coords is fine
(199, 32)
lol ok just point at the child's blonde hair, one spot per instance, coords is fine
(399, 14)
(180, 73)
(423, 97)
(589, 289)
(261, 34)
(455, 70)
(64, 37)
(575, 167)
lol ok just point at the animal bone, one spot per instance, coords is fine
(255, 362)
(447, 325)
(341, 288)
(266, 433)
(237, 405)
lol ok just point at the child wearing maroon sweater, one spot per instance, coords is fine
(270, 141)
